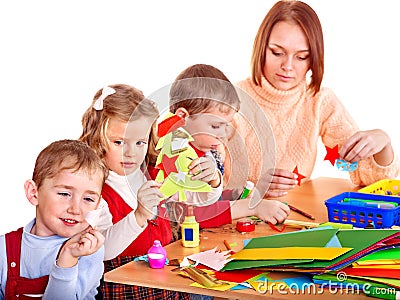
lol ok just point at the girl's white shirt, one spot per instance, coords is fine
(120, 235)
(127, 186)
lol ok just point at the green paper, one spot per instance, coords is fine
(181, 181)
(302, 238)
(305, 238)
(246, 264)
(349, 279)
(390, 254)
(358, 239)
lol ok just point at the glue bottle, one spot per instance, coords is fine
(190, 230)
(247, 190)
(157, 255)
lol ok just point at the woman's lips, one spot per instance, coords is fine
(284, 78)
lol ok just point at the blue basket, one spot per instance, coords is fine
(361, 216)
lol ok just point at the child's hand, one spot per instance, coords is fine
(82, 244)
(272, 211)
(281, 182)
(204, 169)
(148, 197)
(364, 144)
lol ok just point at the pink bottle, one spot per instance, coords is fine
(157, 255)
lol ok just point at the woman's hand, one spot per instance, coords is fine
(364, 144)
(281, 182)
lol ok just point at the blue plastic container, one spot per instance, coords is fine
(361, 216)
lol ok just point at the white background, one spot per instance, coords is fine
(54, 56)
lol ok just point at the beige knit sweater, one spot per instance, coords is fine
(281, 129)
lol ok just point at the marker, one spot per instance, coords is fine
(370, 201)
(370, 204)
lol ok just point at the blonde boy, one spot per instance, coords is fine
(57, 255)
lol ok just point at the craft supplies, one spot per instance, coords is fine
(156, 255)
(245, 225)
(190, 230)
(247, 190)
(360, 210)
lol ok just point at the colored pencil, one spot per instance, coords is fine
(299, 211)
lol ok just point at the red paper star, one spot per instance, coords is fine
(332, 154)
(300, 177)
(168, 164)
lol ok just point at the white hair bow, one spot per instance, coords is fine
(107, 91)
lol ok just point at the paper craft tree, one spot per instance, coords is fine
(175, 156)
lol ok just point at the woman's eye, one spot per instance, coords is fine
(215, 126)
(302, 57)
(118, 143)
(277, 53)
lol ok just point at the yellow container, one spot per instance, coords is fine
(190, 232)
(388, 187)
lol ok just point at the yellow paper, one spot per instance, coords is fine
(320, 253)
(267, 285)
(223, 287)
(169, 187)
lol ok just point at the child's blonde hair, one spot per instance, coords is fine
(67, 155)
(201, 87)
(125, 104)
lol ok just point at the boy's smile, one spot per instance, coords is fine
(63, 201)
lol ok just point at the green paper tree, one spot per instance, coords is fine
(173, 160)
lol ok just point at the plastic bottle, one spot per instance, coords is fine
(247, 190)
(157, 255)
(190, 230)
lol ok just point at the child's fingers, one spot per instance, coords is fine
(149, 194)
(100, 238)
(150, 184)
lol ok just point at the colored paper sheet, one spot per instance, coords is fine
(241, 286)
(316, 237)
(237, 276)
(247, 264)
(268, 285)
(385, 273)
(320, 253)
(302, 238)
(224, 287)
(389, 281)
(375, 281)
(264, 283)
(363, 242)
(302, 282)
(332, 279)
(391, 266)
(211, 258)
(170, 186)
(393, 253)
